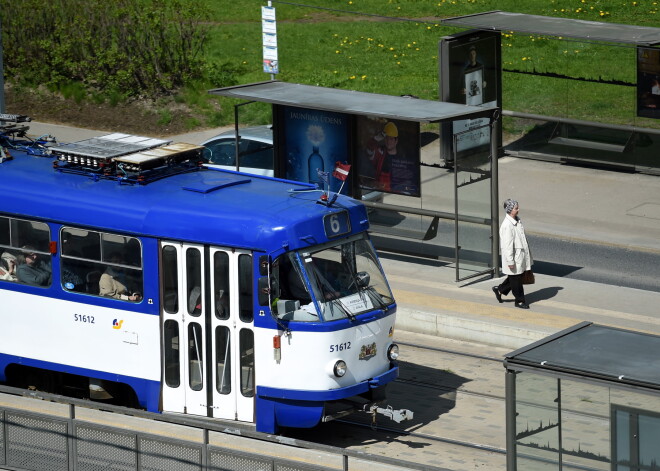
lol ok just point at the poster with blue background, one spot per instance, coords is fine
(315, 140)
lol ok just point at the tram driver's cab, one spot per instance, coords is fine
(328, 282)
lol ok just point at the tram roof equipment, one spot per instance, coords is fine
(198, 204)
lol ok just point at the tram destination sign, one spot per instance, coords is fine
(336, 224)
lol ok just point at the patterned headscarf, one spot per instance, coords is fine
(509, 204)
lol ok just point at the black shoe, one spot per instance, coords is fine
(498, 295)
(522, 305)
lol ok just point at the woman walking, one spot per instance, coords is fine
(516, 256)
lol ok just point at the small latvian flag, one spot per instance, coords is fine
(341, 171)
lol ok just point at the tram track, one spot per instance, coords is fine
(425, 436)
(476, 393)
(450, 352)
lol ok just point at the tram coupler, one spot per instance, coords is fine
(396, 415)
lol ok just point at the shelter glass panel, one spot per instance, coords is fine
(472, 179)
(537, 422)
(585, 425)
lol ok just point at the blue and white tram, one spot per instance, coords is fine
(186, 289)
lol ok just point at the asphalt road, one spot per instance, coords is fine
(598, 263)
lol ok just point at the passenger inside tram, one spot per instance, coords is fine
(32, 270)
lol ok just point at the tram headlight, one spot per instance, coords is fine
(340, 368)
(393, 352)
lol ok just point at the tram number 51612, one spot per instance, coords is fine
(340, 347)
(83, 318)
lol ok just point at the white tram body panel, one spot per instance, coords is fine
(307, 358)
(81, 336)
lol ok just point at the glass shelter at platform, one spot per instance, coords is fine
(586, 398)
(421, 207)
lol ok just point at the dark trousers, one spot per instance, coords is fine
(514, 284)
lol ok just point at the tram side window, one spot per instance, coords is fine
(246, 313)
(246, 346)
(171, 351)
(24, 252)
(101, 264)
(194, 281)
(170, 280)
(221, 285)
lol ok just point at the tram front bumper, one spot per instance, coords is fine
(276, 407)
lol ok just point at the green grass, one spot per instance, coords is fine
(341, 49)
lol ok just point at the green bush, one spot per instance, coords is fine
(135, 47)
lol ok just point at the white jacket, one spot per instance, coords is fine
(514, 247)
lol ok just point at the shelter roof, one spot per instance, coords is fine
(564, 27)
(595, 351)
(353, 102)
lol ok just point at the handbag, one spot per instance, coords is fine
(528, 277)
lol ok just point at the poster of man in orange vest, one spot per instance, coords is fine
(387, 164)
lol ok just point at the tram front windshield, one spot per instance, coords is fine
(330, 282)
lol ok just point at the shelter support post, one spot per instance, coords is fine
(495, 197)
(510, 412)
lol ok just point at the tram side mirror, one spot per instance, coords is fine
(363, 279)
(264, 289)
(264, 260)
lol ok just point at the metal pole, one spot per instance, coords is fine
(2, 74)
(495, 194)
(510, 412)
(236, 138)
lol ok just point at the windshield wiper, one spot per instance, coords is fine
(375, 297)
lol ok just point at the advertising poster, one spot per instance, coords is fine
(314, 141)
(388, 155)
(470, 75)
(648, 82)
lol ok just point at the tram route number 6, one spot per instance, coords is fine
(336, 224)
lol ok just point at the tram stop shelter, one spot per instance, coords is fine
(312, 122)
(633, 146)
(585, 398)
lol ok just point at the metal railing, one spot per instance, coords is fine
(40, 431)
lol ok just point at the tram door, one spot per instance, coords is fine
(208, 338)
